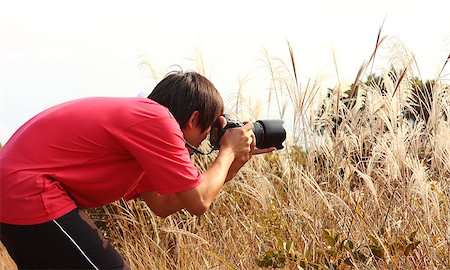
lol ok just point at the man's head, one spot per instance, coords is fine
(184, 93)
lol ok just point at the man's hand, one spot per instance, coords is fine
(248, 126)
(236, 147)
(247, 152)
(239, 140)
(263, 151)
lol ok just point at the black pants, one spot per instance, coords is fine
(69, 242)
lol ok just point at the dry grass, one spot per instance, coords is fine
(370, 192)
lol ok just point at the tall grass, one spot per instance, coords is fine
(361, 186)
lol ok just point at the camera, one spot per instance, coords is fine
(268, 133)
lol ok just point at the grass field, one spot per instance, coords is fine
(368, 189)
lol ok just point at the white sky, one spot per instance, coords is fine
(53, 51)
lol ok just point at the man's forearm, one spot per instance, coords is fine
(217, 174)
(198, 199)
(234, 168)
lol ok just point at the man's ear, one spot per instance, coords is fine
(193, 120)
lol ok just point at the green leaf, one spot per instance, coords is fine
(413, 235)
(377, 251)
(279, 262)
(280, 244)
(326, 235)
(337, 238)
(403, 240)
(269, 255)
(309, 251)
(374, 240)
(360, 256)
(303, 263)
(259, 262)
(292, 256)
(411, 247)
(348, 262)
(395, 247)
(331, 252)
(349, 244)
(290, 247)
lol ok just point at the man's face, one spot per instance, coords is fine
(195, 136)
(199, 136)
(193, 132)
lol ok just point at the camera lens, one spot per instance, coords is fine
(269, 133)
(258, 130)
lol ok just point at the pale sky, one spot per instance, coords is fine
(54, 51)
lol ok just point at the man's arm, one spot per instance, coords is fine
(198, 199)
(237, 147)
(236, 144)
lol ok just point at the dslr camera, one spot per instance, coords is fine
(268, 133)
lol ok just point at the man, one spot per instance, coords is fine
(90, 152)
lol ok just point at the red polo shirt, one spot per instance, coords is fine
(88, 153)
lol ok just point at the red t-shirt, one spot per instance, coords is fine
(90, 152)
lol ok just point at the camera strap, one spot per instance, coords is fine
(196, 150)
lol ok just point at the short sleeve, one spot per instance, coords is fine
(158, 145)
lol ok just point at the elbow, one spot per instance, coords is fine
(198, 212)
(199, 209)
(160, 212)
(195, 202)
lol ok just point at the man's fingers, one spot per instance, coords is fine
(253, 144)
(248, 126)
(263, 151)
(222, 121)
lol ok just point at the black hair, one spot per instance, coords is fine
(186, 92)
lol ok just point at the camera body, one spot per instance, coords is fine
(268, 133)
